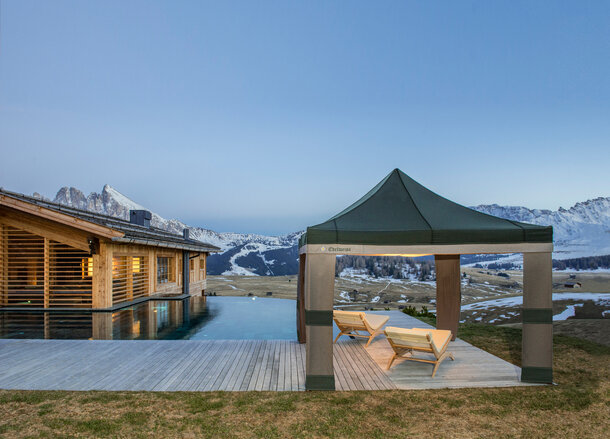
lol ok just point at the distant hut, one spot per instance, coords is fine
(572, 285)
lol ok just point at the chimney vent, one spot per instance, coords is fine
(185, 234)
(140, 217)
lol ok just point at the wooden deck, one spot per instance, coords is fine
(177, 365)
(235, 365)
(473, 367)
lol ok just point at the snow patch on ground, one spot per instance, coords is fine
(517, 301)
(345, 296)
(570, 311)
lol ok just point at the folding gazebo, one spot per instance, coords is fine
(400, 217)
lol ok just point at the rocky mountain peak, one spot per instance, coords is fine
(582, 230)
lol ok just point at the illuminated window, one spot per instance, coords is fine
(137, 264)
(86, 267)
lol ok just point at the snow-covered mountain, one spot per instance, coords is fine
(582, 230)
(242, 253)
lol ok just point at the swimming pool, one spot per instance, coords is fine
(196, 318)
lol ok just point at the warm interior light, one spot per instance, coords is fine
(137, 264)
(87, 267)
(404, 255)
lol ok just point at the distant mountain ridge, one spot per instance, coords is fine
(242, 253)
(582, 230)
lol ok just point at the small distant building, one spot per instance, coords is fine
(572, 285)
(56, 257)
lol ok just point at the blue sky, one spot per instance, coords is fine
(270, 116)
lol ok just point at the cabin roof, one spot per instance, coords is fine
(131, 233)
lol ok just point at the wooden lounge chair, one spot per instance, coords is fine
(432, 341)
(351, 322)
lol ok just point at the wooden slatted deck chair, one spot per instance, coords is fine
(407, 341)
(353, 322)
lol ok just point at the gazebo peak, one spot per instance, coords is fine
(400, 211)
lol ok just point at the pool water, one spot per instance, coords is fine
(196, 318)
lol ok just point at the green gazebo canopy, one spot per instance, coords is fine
(400, 211)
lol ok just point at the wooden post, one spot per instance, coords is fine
(3, 266)
(152, 271)
(102, 278)
(178, 268)
(537, 316)
(319, 296)
(205, 274)
(301, 333)
(46, 277)
(129, 266)
(186, 272)
(448, 293)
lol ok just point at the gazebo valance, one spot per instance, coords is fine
(400, 211)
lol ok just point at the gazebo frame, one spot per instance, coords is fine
(316, 295)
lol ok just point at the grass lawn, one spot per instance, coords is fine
(579, 406)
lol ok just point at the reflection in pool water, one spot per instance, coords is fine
(216, 318)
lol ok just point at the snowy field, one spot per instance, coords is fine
(508, 309)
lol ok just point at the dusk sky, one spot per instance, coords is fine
(267, 117)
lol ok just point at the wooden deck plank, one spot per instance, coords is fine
(221, 363)
(281, 355)
(342, 371)
(196, 379)
(95, 366)
(353, 351)
(258, 361)
(349, 369)
(34, 364)
(140, 359)
(224, 379)
(301, 365)
(268, 370)
(262, 367)
(274, 383)
(125, 361)
(245, 361)
(249, 371)
(198, 354)
(294, 377)
(377, 375)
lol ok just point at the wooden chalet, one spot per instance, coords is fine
(54, 257)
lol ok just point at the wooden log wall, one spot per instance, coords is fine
(42, 273)
(46, 265)
(130, 277)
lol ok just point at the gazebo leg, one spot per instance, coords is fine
(537, 315)
(319, 295)
(448, 293)
(301, 335)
